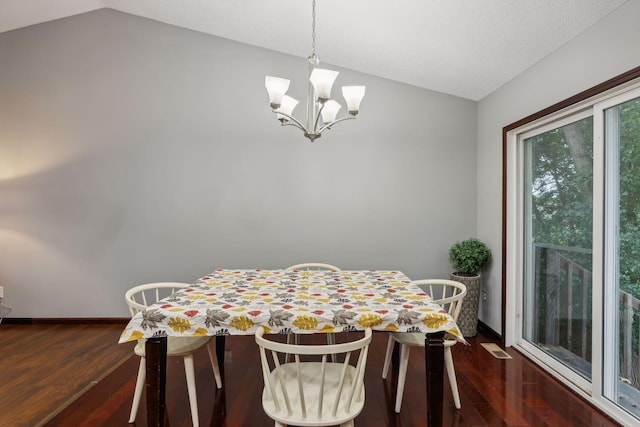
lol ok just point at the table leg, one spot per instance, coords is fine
(434, 359)
(220, 343)
(156, 380)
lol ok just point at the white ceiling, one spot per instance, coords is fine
(467, 48)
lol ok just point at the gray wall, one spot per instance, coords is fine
(605, 50)
(133, 151)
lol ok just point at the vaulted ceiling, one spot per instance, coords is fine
(467, 48)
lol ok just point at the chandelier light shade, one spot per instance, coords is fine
(322, 81)
(330, 111)
(322, 111)
(286, 108)
(276, 87)
(353, 95)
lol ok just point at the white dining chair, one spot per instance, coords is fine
(311, 390)
(313, 266)
(449, 295)
(138, 299)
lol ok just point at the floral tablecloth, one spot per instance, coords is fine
(237, 302)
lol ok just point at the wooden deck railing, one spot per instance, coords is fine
(563, 299)
(629, 335)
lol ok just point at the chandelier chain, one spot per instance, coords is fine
(313, 27)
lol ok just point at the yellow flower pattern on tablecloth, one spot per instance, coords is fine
(436, 321)
(178, 324)
(241, 323)
(200, 332)
(369, 320)
(237, 302)
(306, 322)
(136, 335)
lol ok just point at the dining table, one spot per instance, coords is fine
(239, 301)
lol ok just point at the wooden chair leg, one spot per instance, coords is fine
(191, 388)
(387, 357)
(402, 374)
(451, 373)
(137, 394)
(211, 347)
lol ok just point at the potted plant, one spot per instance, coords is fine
(469, 257)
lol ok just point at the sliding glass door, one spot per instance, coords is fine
(573, 248)
(621, 129)
(557, 244)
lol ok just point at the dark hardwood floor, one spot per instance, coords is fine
(493, 392)
(43, 368)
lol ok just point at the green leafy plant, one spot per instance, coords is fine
(469, 257)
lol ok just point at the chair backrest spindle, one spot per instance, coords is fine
(362, 361)
(345, 365)
(281, 382)
(303, 403)
(320, 391)
(265, 368)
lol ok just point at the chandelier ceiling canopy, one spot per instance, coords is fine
(322, 111)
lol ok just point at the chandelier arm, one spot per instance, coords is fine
(315, 123)
(296, 122)
(328, 126)
(295, 125)
(292, 124)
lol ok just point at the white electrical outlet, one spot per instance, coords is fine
(1, 292)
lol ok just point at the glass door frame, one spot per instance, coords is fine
(607, 144)
(596, 100)
(526, 262)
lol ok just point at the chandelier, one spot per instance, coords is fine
(321, 109)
